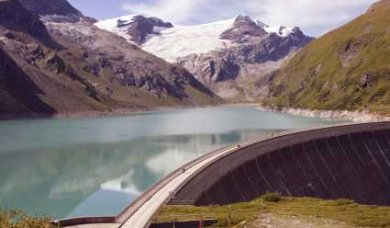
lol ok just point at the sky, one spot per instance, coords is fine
(315, 17)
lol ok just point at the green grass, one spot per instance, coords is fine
(17, 219)
(238, 213)
(345, 211)
(327, 73)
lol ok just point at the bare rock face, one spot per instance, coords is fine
(244, 30)
(365, 81)
(140, 27)
(50, 7)
(60, 11)
(15, 18)
(237, 72)
(210, 69)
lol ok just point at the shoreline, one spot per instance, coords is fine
(114, 112)
(354, 116)
(127, 112)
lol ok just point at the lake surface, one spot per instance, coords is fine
(80, 167)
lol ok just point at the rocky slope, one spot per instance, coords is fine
(59, 10)
(50, 7)
(348, 68)
(59, 67)
(241, 72)
(232, 57)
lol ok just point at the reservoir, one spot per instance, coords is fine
(98, 166)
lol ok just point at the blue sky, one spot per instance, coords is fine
(100, 9)
(315, 17)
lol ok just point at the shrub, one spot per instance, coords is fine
(18, 219)
(272, 197)
(341, 202)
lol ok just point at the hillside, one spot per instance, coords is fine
(64, 65)
(348, 68)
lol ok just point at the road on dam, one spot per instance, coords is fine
(141, 211)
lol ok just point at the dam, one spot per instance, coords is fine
(349, 161)
(344, 162)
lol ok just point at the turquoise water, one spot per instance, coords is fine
(80, 167)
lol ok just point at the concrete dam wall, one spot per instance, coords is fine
(350, 162)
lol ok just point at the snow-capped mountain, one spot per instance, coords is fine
(170, 41)
(227, 56)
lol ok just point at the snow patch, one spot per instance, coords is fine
(176, 42)
(281, 31)
(181, 41)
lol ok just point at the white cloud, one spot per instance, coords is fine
(314, 16)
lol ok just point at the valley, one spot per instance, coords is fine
(137, 110)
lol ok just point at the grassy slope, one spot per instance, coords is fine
(327, 73)
(306, 209)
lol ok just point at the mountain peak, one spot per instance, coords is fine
(170, 42)
(136, 28)
(140, 27)
(243, 30)
(243, 18)
(144, 20)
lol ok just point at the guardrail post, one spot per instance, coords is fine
(201, 222)
(229, 216)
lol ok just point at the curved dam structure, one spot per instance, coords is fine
(351, 161)
(347, 161)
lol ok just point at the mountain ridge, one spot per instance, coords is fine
(50, 7)
(87, 70)
(178, 37)
(223, 55)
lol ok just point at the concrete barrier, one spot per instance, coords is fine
(187, 224)
(85, 220)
